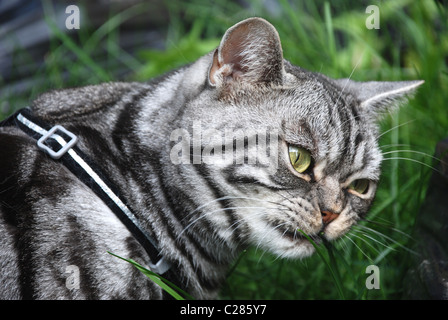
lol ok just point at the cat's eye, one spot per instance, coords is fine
(360, 186)
(300, 158)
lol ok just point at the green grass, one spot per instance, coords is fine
(173, 290)
(324, 36)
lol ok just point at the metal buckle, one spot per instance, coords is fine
(65, 145)
(160, 267)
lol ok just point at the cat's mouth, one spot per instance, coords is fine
(287, 240)
(298, 236)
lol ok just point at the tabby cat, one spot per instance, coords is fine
(317, 174)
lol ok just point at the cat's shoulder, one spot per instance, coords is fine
(66, 103)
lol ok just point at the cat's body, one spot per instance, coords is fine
(201, 215)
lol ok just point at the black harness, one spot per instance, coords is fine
(60, 144)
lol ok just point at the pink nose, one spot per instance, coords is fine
(328, 216)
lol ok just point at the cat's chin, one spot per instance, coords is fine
(291, 246)
(298, 249)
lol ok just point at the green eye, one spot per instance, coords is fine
(361, 186)
(300, 158)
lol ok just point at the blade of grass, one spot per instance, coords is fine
(330, 31)
(79, 52)
(112, 24)
(333, 273)
(232, 269)
(176, 292)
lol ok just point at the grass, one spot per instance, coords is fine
(173, 290)
(328, 37)
(330, 263)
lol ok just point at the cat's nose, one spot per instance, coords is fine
(328, 216)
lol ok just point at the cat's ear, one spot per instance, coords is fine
(250, 51)
(377, 97)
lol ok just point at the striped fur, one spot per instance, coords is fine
(201, 214)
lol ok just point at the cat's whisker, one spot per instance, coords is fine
(209, 203)
(232, 208)
(394, 145)
(348, 80)
(390, 228)
(202, 216)
(414, 160)
(295, 233)
(222, 199)
(250, 216)
(270, 231)
(344, 245)
(354, 243)
(364, 229)
(413, 151)
(395, 127)
(342, 124)
(366, 235)
(237, 224)
(360, 237)
(391, 240)
(285, 199)
(376, 232)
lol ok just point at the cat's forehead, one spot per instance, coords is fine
(312, 87)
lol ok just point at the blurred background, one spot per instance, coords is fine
(132, 40)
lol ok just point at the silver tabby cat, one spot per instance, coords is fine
(202, 215)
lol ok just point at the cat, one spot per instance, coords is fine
(318, 173)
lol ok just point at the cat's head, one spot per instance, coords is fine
(321, 137)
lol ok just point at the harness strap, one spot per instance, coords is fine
(60, 144)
